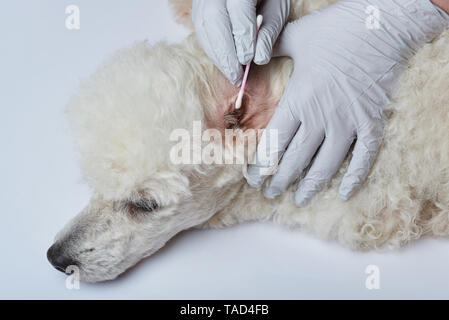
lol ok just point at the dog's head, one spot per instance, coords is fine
(122, 121)
(111, 235)
(126, 122)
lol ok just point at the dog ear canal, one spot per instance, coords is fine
(233, 119)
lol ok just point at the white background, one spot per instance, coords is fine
(41, 188)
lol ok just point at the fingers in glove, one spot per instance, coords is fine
(275, 15)
(214, 33)
(326, 163)
(368, 141)
(242, 14)
(297, 157)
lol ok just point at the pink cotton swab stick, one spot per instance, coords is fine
(238, 102)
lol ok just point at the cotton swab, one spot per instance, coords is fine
(238, 102)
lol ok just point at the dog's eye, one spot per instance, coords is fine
(143, 205)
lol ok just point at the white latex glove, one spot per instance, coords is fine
(226, 30)
(345, 66)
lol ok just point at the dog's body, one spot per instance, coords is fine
(123, 117)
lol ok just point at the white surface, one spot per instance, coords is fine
(41, 187)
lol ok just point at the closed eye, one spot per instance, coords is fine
(141, 206)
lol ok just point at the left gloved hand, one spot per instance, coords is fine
(226, 30)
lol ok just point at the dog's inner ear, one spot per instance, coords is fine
(235, 117)
(258, 104)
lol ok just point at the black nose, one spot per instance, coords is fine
(58, 259)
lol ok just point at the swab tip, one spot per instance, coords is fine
(259, 20)
(238, 102)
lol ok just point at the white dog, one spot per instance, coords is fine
(122, 119)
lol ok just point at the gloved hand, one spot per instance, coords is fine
(226, 30)
(347, 58)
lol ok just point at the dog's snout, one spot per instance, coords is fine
(58, 258)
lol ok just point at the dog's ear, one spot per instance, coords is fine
(182, 10)
(257, 107)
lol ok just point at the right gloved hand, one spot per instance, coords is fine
(226, 30)
(346, 68)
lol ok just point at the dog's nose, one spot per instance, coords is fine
(58, 259)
